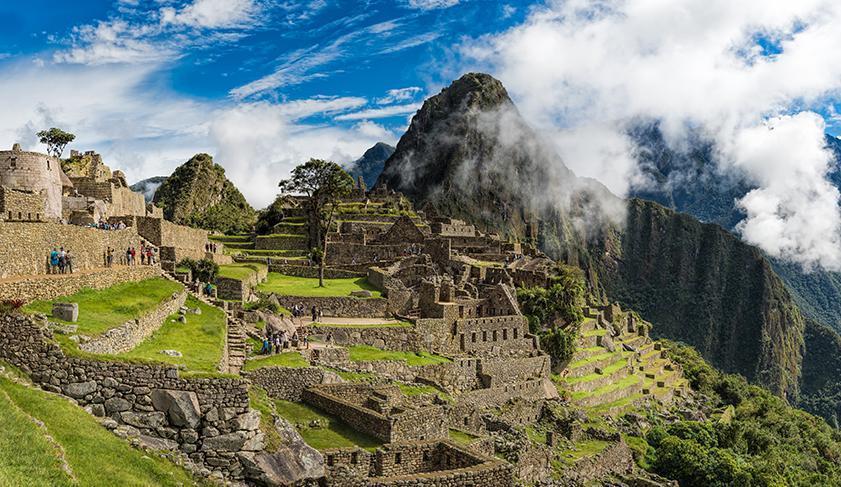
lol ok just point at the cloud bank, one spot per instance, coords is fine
(745, 75)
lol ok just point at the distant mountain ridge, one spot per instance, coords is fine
(148, 187)
(371, 164)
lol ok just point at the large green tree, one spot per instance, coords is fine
(56, 140)
(324, 183)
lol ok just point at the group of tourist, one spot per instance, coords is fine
(148, 255)
(210, 247)
(60, 261)
(104, 225)
(278, 342)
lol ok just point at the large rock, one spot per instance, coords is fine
(117, 405)
(230, 442)
(249, 421)
(181, 407)
(66, 311)
(293, 463)
(155, 443)
(144, 420)
(78, 390)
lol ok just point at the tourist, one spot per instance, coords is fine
(329, 338)
(109, 257)
(265, 349)
(54, 261)
(149, 256)
(68, 262)
(142, 254)
(314, 314)
(128, 256)
(133, 256)
(278, 343)
(62, 260)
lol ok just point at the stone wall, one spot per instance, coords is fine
(310, 271)
(357, 417)
(20, 205)
(286, 383)
(349, 253)
(32, 171)
(176, 242)
(496, 372)
(206, 418)
(25, 247)
(37, 288)
(130, 334)
(386, 338)
(435, 463)
(348, 307)
(283, 242)
(616, 459)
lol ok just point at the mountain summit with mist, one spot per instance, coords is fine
(468, 153)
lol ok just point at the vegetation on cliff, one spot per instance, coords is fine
(199, 195)
(753, 438)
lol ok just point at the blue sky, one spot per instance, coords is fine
(263, 85)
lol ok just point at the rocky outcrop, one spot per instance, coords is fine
(199, 195)
(294, 463)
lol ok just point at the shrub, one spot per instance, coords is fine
(203, 270)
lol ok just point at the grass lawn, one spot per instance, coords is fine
(240, 272)
(461, 437)
(330, 432)
(259, 400)
(418, 389)
(95, 456)
(308, 287)
(103, 309)
(365, 353)
(229, 238)
(285, 359)
(201, 340)
(583, 449)
(399, 324)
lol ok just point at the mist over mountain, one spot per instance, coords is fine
(371, 164)
(148, 187)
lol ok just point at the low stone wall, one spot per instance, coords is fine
(282, 242)
(347, 307)
(208, 418)
(386, 338)
(495, 396)
(496, 372)
(358, 418)
(25, 247)
(286, 383)
(49, 288)
(130, 334)
(616, 459)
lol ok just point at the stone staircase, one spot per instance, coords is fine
(611, 371)
(237, 345)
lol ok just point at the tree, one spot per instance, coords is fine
(324, 183)
(56, 140)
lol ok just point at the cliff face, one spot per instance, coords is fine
(198, 194)
(701, 285)
(468, 153)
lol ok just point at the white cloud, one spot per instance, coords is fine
(213, 14)
(399, 94)
(115, 41)
(432, 4)
(593, 67)
(375, 130)
(383, 112)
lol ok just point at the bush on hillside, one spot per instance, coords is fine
(203, 270)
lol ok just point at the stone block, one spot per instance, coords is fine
(117, 405)
(230, 442)
(181, 407)
(78, 390)
(66, 311)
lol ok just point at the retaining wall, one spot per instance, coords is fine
(49, 288)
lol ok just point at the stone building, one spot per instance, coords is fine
(37, 174)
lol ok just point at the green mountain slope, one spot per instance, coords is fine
(198, 194)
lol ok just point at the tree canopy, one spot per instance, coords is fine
(56, 140)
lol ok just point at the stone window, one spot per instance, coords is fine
(10, 215)
(505, 333)
(20, 216)
(425, 455)
(354, 458)
(472, 335)
(515, 333)
(38, 216)
(484, 336)
(48, 164)
(494, 335)
(14, 162)
(398, 458)
(461, 311)
(329, 460)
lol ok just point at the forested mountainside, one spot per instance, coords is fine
(371, 164)
(199, 195)
(695, 281)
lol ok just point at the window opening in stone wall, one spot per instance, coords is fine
(20, 216)
(398, 458)
(14, 161)
(48, 164)
(515, 333)
(354, 458)
(425, 456)
(329, 460)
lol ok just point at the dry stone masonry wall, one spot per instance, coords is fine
(37, 288)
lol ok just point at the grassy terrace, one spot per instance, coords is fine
(328, 432)
(285, 359)
(95, 456)
(103, 309)
(583, 449)
(620, 384)
(240, 271)
(308, 287)
(200, 340)
(229, 238)
(461, 437)
(365, 353)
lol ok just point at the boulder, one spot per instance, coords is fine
(171, 353)
(229, 442)
(249, 421)
(294, 463)
(155, 443)
(78, 390)
(66, 311)
(362, 293)
(117, 405)
(181, 407)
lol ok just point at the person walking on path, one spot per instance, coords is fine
(68, 262)
(109, 257)
(62, 262)
(128, 256)
(133, 256)
(314, 314)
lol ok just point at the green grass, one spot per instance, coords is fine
(399, 324)
(622, 362)
(352, 376)
(103, 309)
(95, 456)
(330, 432)
(308, 287)
(229, 238)
(285, 359)
(617, 404)
(365, 353)
(259, 400)
(591, 359)
(620, 384)
(461, 437)
(596, 332)
(418, 389)
(240, 272)
(584, 449)
(201, 340)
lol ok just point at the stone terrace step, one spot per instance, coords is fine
(588, 365)
(609, 392)
(614, 372)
